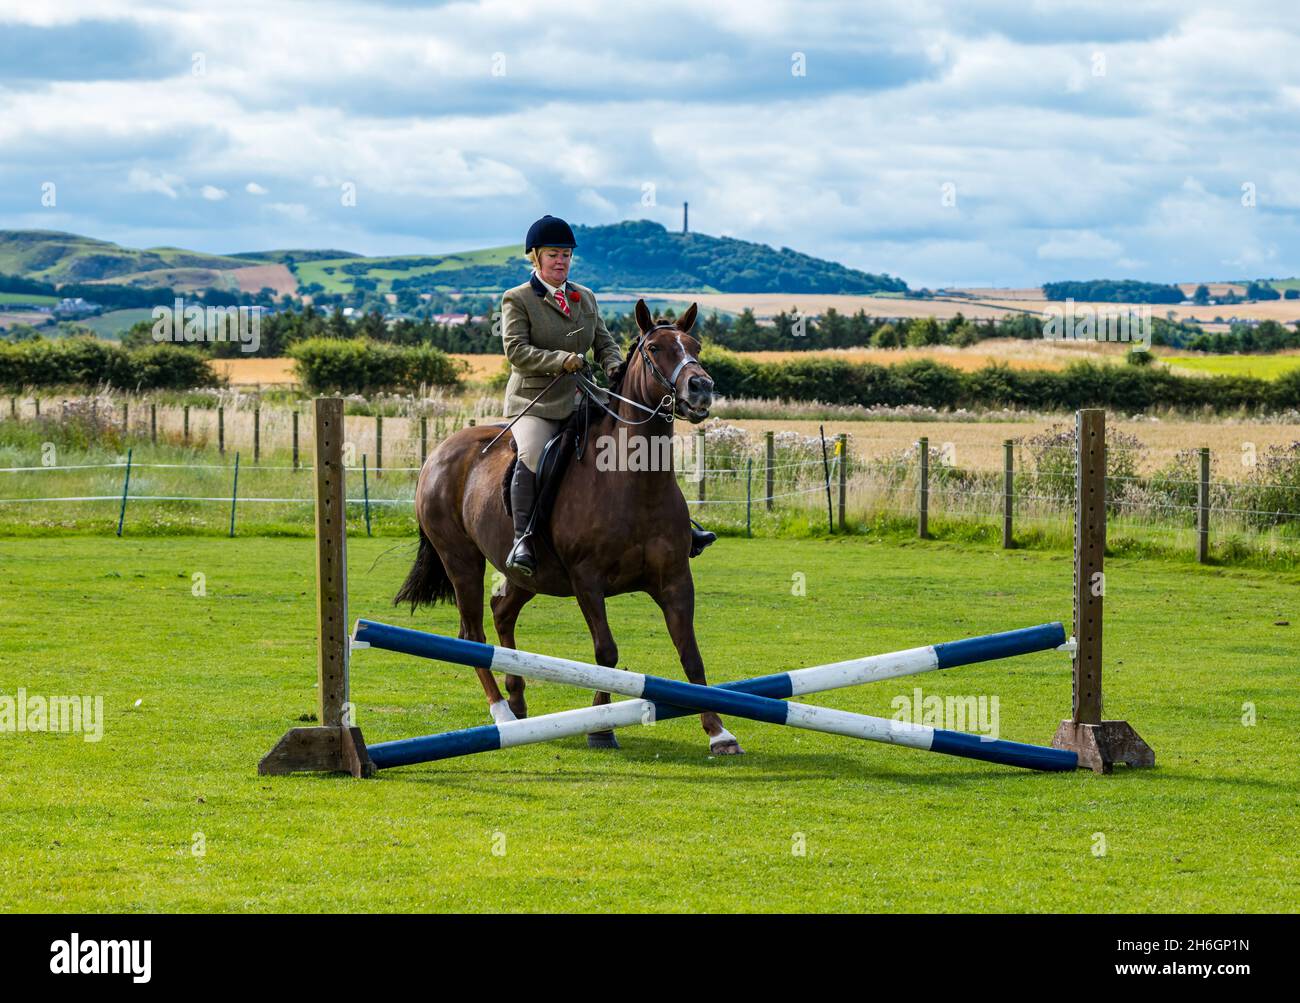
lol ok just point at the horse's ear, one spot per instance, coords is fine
(643, 319)
(687, 320)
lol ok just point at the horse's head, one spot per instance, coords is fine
(662, 360)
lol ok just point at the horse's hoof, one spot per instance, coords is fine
(602, 740)
(519, 710)
(727, 747)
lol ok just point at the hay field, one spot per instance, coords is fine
(252, 372)
(256, 277)
(1016, 354)
(978, 445)
(768, 305)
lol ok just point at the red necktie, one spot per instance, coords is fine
(559, 297)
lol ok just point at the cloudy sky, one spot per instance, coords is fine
(972, 143)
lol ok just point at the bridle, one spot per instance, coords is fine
(667, 406)
(668, 381)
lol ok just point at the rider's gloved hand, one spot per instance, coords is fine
(574, 362)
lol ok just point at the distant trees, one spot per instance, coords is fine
(1113, 291)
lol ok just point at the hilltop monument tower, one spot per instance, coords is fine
(685, 208)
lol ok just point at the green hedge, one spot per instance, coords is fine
(928, 383)
(89, 362)
(358, 366)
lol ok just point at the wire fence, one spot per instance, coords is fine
(165, 479)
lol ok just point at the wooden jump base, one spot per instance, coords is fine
(336, 745)
(817, 679)
(701, 698)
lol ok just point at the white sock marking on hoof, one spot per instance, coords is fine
(501, 712)
(721, 738)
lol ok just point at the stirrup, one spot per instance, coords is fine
(520, 558)
(700, 538)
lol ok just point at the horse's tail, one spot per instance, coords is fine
(428, 582)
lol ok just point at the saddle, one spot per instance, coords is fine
(568, 442)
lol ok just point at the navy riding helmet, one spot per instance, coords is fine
(549, 231)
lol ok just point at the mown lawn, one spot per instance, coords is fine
(113, 825)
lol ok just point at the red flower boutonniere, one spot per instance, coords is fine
(574, 296)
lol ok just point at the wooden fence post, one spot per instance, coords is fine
(221, 431)
(923, 519)
(771, 467)
(1099, 744)
(1203, 515)
(257, 436)
(424, 439)
(295, 438)
(1008, 492)
(186, 424)
(379, 445)
(153, 423)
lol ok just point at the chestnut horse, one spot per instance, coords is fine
(612, 531)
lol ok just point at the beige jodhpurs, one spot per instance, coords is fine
(530, 434)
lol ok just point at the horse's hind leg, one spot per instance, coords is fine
(592, 603)
(678, 605)
(505, 611)
(465, 567)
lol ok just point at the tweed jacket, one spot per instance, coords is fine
(539, 337)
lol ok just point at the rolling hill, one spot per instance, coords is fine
(632, 255)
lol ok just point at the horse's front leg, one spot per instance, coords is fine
(592, 602)
(678, 605)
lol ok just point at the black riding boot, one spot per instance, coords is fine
(523, 491)
(700, 538)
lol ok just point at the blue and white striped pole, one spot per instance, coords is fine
(755, 699)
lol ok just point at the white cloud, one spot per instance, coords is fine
(141, 180)
(1053, 166)
(1079, 245)
(295, 212)
(212, 193)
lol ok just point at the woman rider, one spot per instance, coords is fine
(549, 324)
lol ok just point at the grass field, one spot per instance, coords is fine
(1268, 367)
(329, 274)
(35, 300)
(115, 323)
(196, 689)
